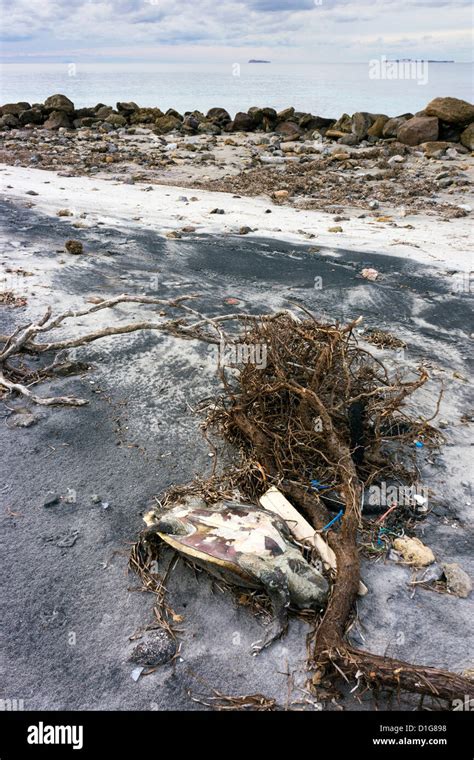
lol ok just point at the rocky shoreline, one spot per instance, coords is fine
(419, 161)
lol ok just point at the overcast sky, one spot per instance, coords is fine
(303, 31)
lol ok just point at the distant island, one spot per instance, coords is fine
(414, 60)
(256, 60)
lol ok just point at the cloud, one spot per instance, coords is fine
(276, 6)
(301, 29)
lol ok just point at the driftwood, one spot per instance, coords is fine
(314, 373)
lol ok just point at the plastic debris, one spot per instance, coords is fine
(318, 486)
(334, 520)
(136, 673)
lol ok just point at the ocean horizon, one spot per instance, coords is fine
(325, 89)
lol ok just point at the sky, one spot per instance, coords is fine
(206, 31)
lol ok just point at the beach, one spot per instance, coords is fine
(252, 221)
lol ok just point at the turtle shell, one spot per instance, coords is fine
(222, 535)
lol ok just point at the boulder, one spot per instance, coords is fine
(343, 124)
(360, 124)
(86, 121)
(14, 108)
(127, 108)
(242, 123)
(57, 119)
(392, 126)
(116, 119)
(218, 116)
(336, 134)
(418, 130)
(286, 114)
(451, 110)
(310, 122)
(435, 148)
(349, 139)
(165, 124)
(376, 130)
(289, 130)
(59, 103)
(31, 116)
(9, 120)
(207, 127)
(265, 118)
(145, 116)
(190, 124)
(176, 114)
(450, 132)
(103, 111)
(83, 113)
(467, 137)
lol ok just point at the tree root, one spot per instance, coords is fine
(291, 420)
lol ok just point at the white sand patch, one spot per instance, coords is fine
(431, 241)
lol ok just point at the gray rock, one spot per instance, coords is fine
(57, 119)
(392, 126)
(156, 648)
(31, 116)
(50, 499)
(418, 130)
(116, 120)
(467, 137)
(218, 116)
(457, 580)
(361, 123)
(14, 108)
(103, 112)
(59, 103)
(451, 110)
(127, 108)
(9, 120)
(242, 123)
(348, 140)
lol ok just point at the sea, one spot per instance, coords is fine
(324, 89)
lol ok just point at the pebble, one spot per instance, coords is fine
(156, 648)
(23, 419)
(74, 246)
(50, 499)
(369, 274)
(457, 580)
